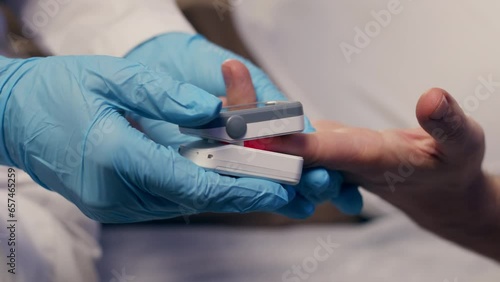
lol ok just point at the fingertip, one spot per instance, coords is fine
(441, 116)
(315, 183)
(228, 61)
(323, 186)
(349, 201)
(432, 105)
(238, 81)
(317, 178)
(235, 68)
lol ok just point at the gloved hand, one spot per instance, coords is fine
(194, 59)
(63, 124)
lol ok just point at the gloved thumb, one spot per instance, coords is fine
(137, 89)
(441, 116)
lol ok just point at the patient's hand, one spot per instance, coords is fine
(317, 185)
(424, 165)
(433, 173)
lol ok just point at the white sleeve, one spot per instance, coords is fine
(105, 27)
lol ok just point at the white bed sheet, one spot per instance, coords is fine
(390, 249)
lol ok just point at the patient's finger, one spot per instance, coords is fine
(239, 86)
(304, 145)
(456, 134)
(333, 149)
(322, 125)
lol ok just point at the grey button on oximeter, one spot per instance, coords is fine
(236, 127)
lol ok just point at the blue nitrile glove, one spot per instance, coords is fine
(63, 124)
(194, 59)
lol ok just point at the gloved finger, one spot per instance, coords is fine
(239, 91)
(319, 185)
(349, 201)
(213, 57)
(162, 132)
(161, 171)
(211, 192)
(136, 88)
(298, 208)
(197, 63)
(441, 116)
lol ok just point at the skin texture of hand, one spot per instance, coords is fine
(63, 123)
(311, 191)
(432, 173)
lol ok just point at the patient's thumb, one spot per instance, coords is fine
(440, 115)
(239, 86)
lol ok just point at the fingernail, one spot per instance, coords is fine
(441, 110)
(227, 73)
